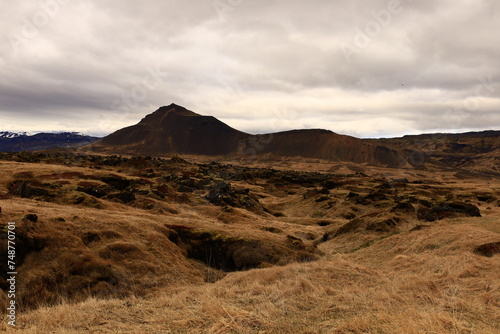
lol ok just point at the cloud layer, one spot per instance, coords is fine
(364, 68)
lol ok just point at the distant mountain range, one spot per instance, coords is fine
(24, 141)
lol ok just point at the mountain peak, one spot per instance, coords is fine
(177, 109)
(9, 134)
(175, 129)
(169, 114)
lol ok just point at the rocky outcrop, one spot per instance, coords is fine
(446, 210)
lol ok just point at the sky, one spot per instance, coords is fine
(367, 68)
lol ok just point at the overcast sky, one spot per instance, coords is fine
(368, 68)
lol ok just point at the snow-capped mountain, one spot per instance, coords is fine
(25, 141)
(8, 134)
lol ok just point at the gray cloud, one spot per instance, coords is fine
(96, 66)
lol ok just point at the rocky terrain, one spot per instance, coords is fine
(143, 244)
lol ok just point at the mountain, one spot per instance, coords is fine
(175, 130)
(8, 134)
(16, 142)
(324, 144)
(472, 151)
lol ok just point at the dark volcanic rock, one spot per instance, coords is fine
(125, 196)
(485, 198)
(329, 184)
(488, 249)
(222, 194)
(376, 196)
(218, 190)
(352, 195)
(447, 210)
(403, 208)
(93, 190)
(116, 182)
(31, 217)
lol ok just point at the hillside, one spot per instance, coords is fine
(324, 144)
(477, 152)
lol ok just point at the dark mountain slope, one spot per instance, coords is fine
(324, 144)
(174, 129)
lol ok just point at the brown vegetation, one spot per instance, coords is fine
(145, 245)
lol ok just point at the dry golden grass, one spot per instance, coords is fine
(424, 281)
(417, 291)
